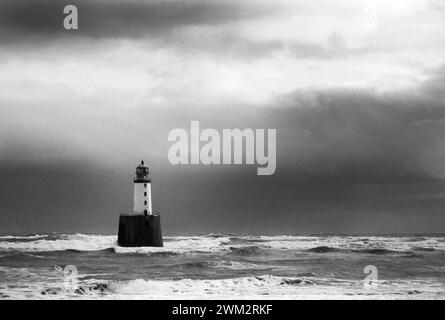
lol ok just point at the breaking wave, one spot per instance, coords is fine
(31, 236)
(79, 242)
(245, 250)
(216, 243)
(254, 287)
(83, 242)
(322, 249)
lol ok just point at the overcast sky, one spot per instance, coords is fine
(354, 89)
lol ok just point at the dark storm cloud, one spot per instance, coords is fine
(189, 26)
(21, 19)
(363, 136)
(347, 135)
(348, 161)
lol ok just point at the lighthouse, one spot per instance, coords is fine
(142, 190)
(142, 226)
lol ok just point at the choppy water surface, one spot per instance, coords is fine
(222, 267)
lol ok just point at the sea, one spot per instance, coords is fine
(223, 266)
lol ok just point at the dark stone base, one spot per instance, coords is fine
(140, 231)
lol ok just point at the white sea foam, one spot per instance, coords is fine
(83, 242)
(401, 244)
(213, 244)
(182, 245)
(30, 237)
(236, 265)
(260, 287)
(271, 287)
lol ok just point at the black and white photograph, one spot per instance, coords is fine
(198, 150)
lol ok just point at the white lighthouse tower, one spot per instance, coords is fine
(142, 191)
(142, 227)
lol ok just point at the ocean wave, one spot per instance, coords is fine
(223, 264)
(322, 249)
(236, 265)
(245, 250)
(24, 237)
(194, 264)
(159, 289)
(162, 253)
(181, 245)
(255, 287)
(326, 249)
(216, 243)
(377, 251)
(83, 242)
(380, 251)
(79, 242)
(214, 235)
(251, 287)
(349, 244)
(30, 236)
(19, 255)
(258, 286)
(424, 249)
